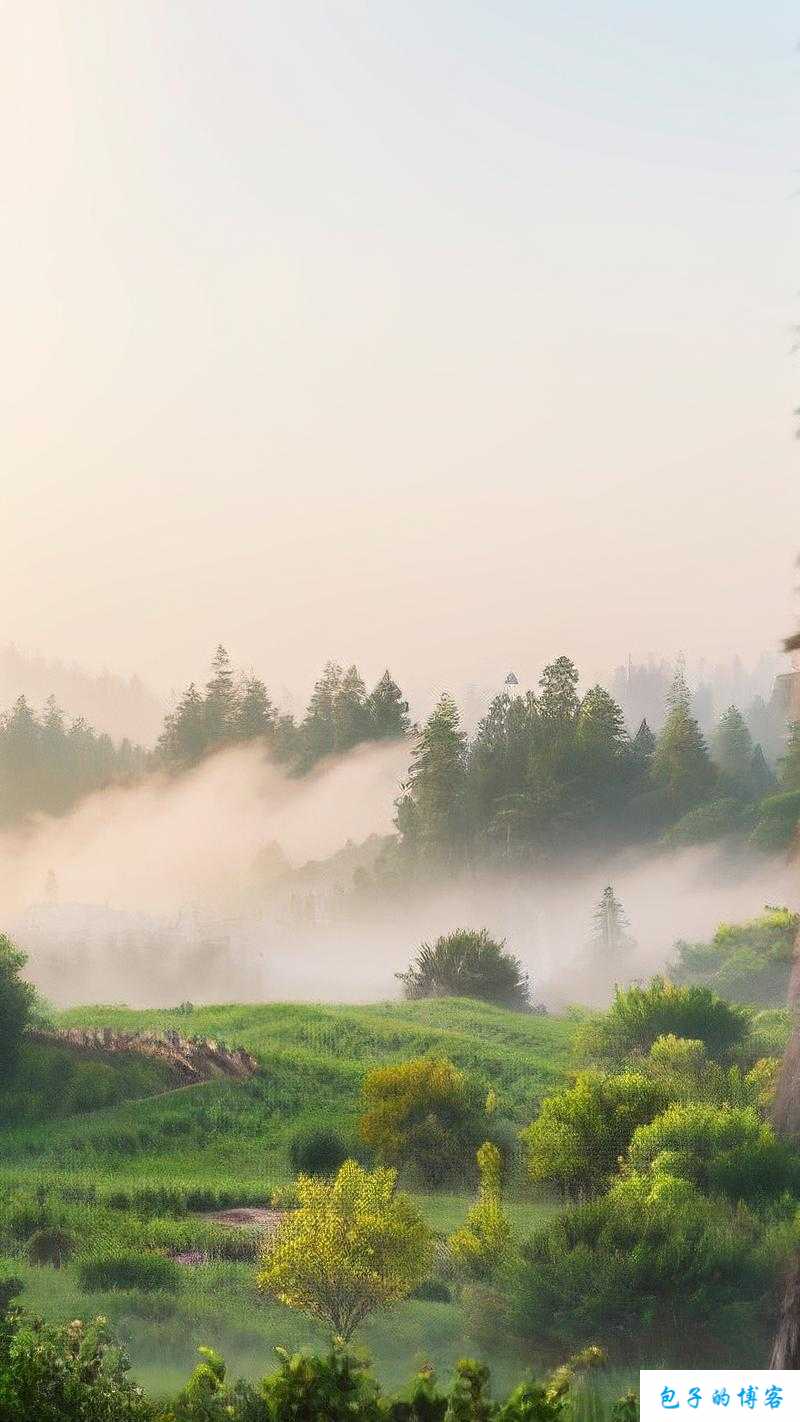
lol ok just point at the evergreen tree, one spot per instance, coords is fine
(318, 730)
(681, 767)
(184, 739)
(644, 743)
(610, 942)
(350, 716)
(733, 752)
(386, 711)
(221, 701)
(256, 714)
(430, 813)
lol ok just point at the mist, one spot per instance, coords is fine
(236, 881)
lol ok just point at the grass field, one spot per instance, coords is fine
(140, 1172)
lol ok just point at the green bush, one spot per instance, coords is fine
(317, 1151)
(744, 962)
(54, 1373)
(145, 1272)
(654, 1268)
(53, 1246)
(580, 1133)
(706, 822)
(777, 823)
(720, 1150)
(638, 1015)
(468, 963)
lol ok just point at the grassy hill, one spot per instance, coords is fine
(140, 1172)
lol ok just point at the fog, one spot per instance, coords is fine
(236, 882)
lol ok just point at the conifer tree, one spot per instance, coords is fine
(733, 751)
(681, 766)
(430, 813)
(610, 940)
(644, 743)
(387, 712)
(221, 700)
(256, 714)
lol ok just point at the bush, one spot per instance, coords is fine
(652, 1267)
(744, 962)
(776, 827)
(145, 1272)
(51, 1373)
(706, 822)
(580, 1133)
(16, 1005)
(54, 1247)
(424, 1114)
(468, 963)
(639, 1015)
(317, 1151)
(719, 1150)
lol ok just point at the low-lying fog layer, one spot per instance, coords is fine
(184, 889)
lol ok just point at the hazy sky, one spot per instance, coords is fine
(453, 335)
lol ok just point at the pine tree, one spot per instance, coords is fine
(789, 764)
(255, 714)
(681, 766)
(387, 712)
(184, 739)
(610, 941)
(430, 813)
(221, 701)
(644, 743)
(733, 751)
(350, 717)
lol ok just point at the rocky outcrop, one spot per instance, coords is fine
(190, 1059)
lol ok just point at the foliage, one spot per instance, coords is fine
(468, 963)
(744, 962)
(652, 1266)
(49, 1374)
(130, 1270)
(51, 1246)
(721, 1150)
(577, 1139)
(47, 765)
(778, 818)
(431, 810)
(686, 1074)
(317, 1150)
(354, 1245)
(681, 767)
(424, 1114)
(16, 1004)
(482, 1244)
(638, 1015)
(610, 942)
(710, 821)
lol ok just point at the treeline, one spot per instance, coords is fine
(231, 709)
(47, 763)
(557, 771)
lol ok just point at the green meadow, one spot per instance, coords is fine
(145, 1172)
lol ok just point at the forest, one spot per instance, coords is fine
(543, 774)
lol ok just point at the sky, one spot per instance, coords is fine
(449, 336)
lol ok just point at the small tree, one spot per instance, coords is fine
(610, 941)
(17, 1000)
(482, 1243)
(354, 1245)
(425, 1114)
(638, 1015)
(468, 963)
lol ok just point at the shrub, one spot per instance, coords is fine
(468, 963)
(317, 1151)
(639, 1015)
(483, 1244)
(17, 1000)
(580, 1133)
(50, 1373)
(706, 822)
(652, 1266)
(52, 1246)
(776, 827)
(718, 1149)
(146, 1272)
(424, 1114)
(744, 962)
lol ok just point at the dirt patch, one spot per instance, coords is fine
(246, 1217)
